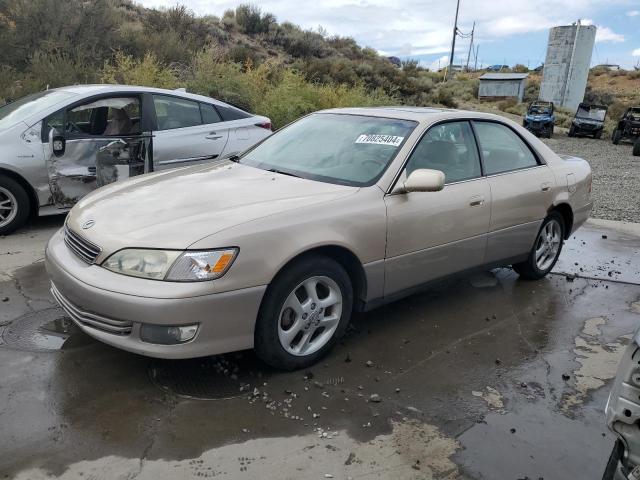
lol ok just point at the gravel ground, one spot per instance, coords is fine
(616, 175)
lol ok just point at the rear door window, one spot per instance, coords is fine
(209, 114)
(502, 149)
(173, 112)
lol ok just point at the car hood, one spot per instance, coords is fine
(176, 208)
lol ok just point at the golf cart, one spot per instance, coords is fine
(628, 129)
(540, 119)
(588, 120)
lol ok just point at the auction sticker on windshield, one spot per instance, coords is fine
(391, 140)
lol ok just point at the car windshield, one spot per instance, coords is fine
(591, 113)
(17, 111)
(335, 148)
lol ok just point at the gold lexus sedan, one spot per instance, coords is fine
(342, 210)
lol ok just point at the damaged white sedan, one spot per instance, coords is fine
(58, 145)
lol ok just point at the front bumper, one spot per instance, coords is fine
(96, 301)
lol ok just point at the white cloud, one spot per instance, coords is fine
(421, 27)
(605, 34)
(636, 52)
(633, 13)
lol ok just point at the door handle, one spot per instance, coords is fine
(476, 201)
(545, 187)
(212, 136)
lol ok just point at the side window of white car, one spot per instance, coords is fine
(502, 149)
(209, 114)
(110, 116)
(450, 148)
(173, 112)
(114, 116)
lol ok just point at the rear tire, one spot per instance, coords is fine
(14, 205)
(546, 249)
(636, 148)
(286, 323)
(598, 135)
(616, 136)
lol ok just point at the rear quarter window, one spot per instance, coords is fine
(228, 113)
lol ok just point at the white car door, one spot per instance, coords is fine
(188, 132)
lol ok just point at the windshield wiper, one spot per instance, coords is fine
(275, 170)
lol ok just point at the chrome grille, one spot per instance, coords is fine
(84, 249)
(92, 320)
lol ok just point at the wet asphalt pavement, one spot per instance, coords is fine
(483, 377)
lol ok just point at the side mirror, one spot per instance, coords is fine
(57, 142)
(424, 180)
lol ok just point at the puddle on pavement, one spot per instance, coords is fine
(483, 280)
(412, 450)
(598, 362)
(44, 330)
(492, 396)
(209, 378)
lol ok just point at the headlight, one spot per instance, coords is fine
(199, 266)
(170, 265)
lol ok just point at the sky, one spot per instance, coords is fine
(507, 31)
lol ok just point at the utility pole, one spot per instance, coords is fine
(475, 66)
(453, 41)
(473, 29)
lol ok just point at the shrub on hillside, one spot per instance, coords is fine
(531, 92)
(507, 103)
(148, 71)
(601, 97)
(57, 70)
(251, 20)
(445, 96)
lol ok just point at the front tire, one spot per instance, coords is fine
(546, 249)
(616, 136)
(14, 205)
(305, 311)
(572, 131)
(636, 148)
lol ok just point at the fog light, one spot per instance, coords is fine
(167, 334)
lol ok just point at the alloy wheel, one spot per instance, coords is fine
(310, 316)
(548, 245)
(8, 207)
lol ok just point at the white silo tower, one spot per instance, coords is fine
(566, 68)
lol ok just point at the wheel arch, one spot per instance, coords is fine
(346, 258)
(566, 211)
(33, 196)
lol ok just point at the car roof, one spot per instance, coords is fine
(97, 89)
(418, 114)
